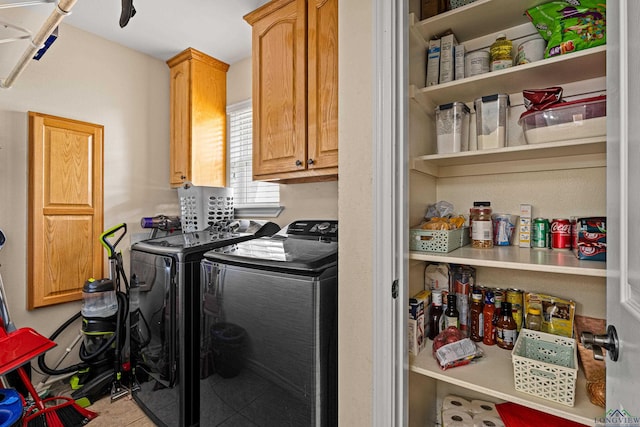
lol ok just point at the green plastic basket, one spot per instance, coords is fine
(545, 365)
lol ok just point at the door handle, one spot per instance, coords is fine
(596, 343)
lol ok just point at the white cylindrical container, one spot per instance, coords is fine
(530, 51)
(477, 62)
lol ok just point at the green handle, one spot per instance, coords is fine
(111, 248)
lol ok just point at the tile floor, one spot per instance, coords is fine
(122, 412)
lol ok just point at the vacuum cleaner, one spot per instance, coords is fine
(105, 313)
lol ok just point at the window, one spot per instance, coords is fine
(253, 198)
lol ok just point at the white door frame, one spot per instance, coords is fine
(390, 185)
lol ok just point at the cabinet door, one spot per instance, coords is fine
(180, 151)
(65, 208)
(279, 90)
(322, 139)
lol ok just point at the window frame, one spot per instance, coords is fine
(248, 210)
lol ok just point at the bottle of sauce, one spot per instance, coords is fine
(488, 310)
(462, 289)
(501, 53)
(476, 327)
(506, 328)
(436, 313)
(534, 319)
(451, 315)
(482, 231)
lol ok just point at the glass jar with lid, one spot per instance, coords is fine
(482, 231)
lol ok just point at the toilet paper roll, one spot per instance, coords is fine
(482, 407)
(456, 418)
(456, 402)
(487, 421)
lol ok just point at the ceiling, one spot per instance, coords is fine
(162, 28)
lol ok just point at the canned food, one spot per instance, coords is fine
(531, 51)
(560, 231)
(515, 297)
(540, 233)
(476, 63)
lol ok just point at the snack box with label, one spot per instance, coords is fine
(590, 238)
(416, 326)
(582, 118)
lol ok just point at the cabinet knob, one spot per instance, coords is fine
(310, 161)
(298, 163)
(183, 177)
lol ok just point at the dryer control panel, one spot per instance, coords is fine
(313, 229)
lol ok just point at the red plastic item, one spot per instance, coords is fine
(20, 346)
(514, 415)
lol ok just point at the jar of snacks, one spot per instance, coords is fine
(482, 231)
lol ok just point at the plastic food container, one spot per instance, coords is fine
(491, 121)
(582, 118)
(452, 127)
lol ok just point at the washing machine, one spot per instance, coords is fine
(269, 319)
(165, 332)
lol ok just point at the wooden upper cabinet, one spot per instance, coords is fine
(295, 90)
(198, 125)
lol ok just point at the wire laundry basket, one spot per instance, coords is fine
(202, 207)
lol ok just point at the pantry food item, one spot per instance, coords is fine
(477, 62)
(589, 238)
(501, 52)
(438, 223)
(557, 313)
(506, 328)
(560, 231)
(451, 349)
(452, 127)
(491, 120)
(540, 233)
(581, 118)
(570, 26)
(530, 51)
(482, 231)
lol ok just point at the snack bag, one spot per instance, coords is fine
(569, 26)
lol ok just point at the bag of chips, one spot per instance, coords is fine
(570, 26)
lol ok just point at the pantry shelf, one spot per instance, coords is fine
(516, 258)
(466, 18)
(582, 65)
(560, 155)
(500, 383)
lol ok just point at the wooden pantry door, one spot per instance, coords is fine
(65, 208)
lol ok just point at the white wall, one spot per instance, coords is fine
(85, 78)
(355, 294)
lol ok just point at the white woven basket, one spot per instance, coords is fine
(204, 206)
(546, 366)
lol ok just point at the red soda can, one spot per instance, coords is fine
(560, 233)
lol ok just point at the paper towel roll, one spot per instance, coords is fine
(456, 418)
(487, 421)
(482, 407)
(456, 402)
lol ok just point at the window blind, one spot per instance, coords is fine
(246, 191)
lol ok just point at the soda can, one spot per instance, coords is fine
(515, 297)
(540, 233)
(560, 231)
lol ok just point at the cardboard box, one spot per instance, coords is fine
(433, 63)
(432, 8)
(447, 71)
(458, 61)
(524, 227)
(418, 306)
(589, 238)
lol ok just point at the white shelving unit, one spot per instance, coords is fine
(476, 24)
